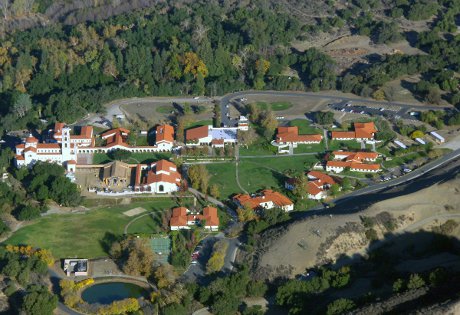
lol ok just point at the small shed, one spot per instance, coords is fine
(437, 136)
(400, 144)
(421, 141)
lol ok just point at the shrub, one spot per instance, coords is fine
(26, 213)
(398, 285)
(371, 235)
(340, 306)
(415, 282)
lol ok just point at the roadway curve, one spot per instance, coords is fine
(114, 107)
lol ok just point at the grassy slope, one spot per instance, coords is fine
(69, 235)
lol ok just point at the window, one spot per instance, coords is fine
(161, 188)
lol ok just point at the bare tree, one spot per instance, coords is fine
(5, 7)
(200, 32)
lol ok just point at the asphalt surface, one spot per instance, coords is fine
(197, 272)
(236, 98)
(437, 171)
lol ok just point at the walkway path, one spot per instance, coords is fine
(423, 222)
(125, 231)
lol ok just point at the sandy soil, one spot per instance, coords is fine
(134, 211)
(317, 240)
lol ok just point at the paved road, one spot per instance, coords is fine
(449, 165)
(114, 108)
(61, 307)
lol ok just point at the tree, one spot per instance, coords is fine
(246, 213)
(217, 259)
(335, 189)
(39, 301)
(120, 155)
(214, 191)
(415, 282)
(164, 276)
(138, 257)
(269, 123)
(324, 118)
(340, 306)
(194, 65)
(22, 105)
(346, 183)
(199, 177)
(247, 138)
(300, 186)
(417, 134)
(398, 285)
(28, 213)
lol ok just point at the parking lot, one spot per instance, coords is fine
(390, 112)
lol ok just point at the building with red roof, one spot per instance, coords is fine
(160, 177)
(84, 139)
(208, 135)
(356, 161)
(183, 218)
(32, 151)
(317, 186)
(363, 132)
(266, 199)
(290, 135)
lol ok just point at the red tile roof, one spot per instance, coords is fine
(323, 178)
(172, 177)
(263, 197)
(364, 166)
(164, 133)
(164, 165)
(86, 132)
(180, 218)
(362, 131)
(31, 139)
(210, 215)
(197, 133)
(72, 162)
(28, 149)
(217, 141)
(112, 132)
(19, 158)
(357, 156)
(343, 135)
(291, 134)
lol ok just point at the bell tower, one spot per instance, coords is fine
(66, 148)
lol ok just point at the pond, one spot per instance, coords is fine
(108, 292)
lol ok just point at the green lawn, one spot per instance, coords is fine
(260, 147)
(223, 175)
(199, 123)
(148, 224)
(141, 157)
(256, 173)
(400, 160)
(261, 173)
(165, 109)
(83, 235)
(274, 106)
(304, 127)
(307, 148)
(344, 145)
